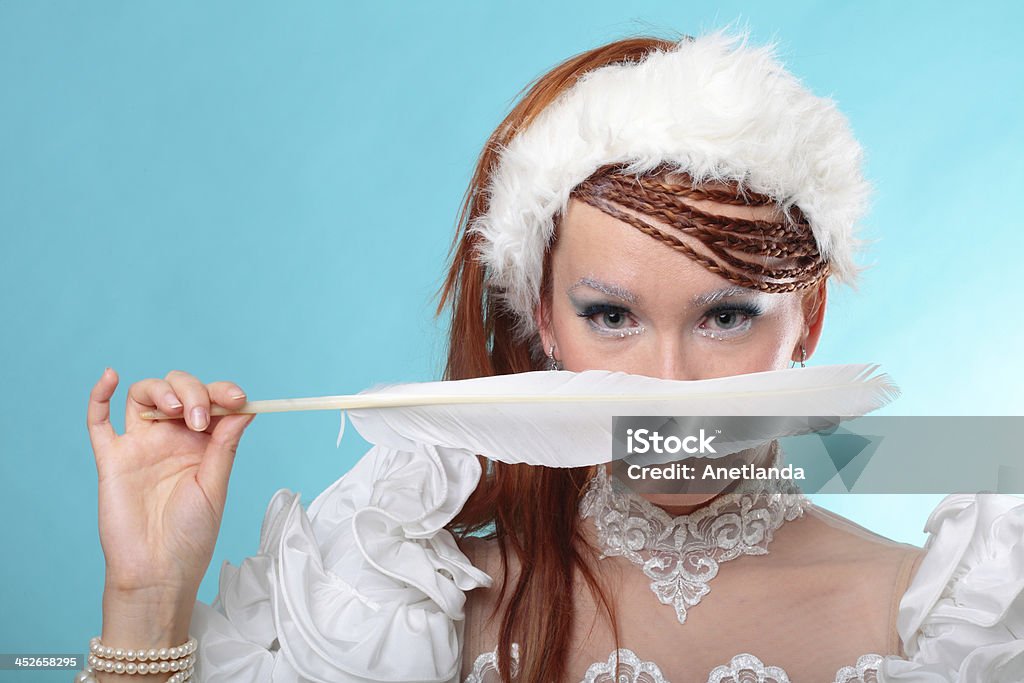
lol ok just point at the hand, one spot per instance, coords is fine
(163, 483)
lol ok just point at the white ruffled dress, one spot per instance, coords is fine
(368, 585)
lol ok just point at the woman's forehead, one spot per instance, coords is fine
(595, 247)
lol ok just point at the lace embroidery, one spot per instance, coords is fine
(743, 668)
(682, 554)
(864, 671)
(632, 669)
(747, 668)
(488, 663)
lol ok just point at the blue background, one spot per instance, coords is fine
(265, 192)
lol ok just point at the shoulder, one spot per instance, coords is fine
(847, 575)
(962, 616)
(840, 543)
(860, 562)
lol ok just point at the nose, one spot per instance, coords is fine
(668, 358)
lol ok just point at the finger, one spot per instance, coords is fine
(148, 394)
(215, 468)
(227, 394)
(195, 396)
(97, 418)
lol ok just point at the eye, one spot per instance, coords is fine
(610, 319)
(727, 321)
(613, 319)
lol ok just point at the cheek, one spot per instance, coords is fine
(768, 351)
(770, 347)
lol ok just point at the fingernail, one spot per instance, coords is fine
(236, 392)
(199, 419)
(172, 401)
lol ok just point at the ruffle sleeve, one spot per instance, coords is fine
(962, 618)
(365, 585)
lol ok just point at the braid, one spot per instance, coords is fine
(727, 238)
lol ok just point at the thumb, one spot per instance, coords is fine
(101, 432)
(215, 469)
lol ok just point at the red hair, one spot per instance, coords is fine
(533, 510)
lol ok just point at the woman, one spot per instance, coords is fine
(668, 209)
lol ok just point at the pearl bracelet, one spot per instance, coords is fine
(119, 667)
(87, 676)
(178, 661)
(154, 655)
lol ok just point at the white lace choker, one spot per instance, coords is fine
(682, 554)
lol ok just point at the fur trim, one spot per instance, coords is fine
(714, 107)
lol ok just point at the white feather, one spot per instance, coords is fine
(564, 419)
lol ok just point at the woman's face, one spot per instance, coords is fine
(622, 300)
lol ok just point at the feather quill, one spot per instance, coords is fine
(564, 419)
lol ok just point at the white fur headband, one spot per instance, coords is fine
(714, 108)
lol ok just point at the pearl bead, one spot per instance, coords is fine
(151, 654)
(118, 653)
(85, 677)
(129, 655)
(163, 653)
(130, 668)
(119, 667)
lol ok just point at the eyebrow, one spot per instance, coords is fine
(617, 291)
(620, 292)
(719, 294)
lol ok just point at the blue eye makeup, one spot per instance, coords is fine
(723, 321)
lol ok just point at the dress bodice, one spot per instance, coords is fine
(682, 574)
(366, 584)
(743, 668)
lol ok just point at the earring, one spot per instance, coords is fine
(552, 363)
(803, 356)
